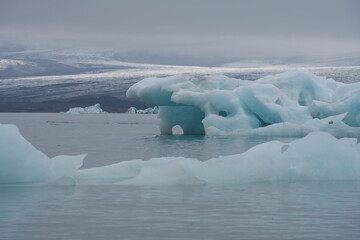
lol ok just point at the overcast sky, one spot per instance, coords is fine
(223, 28)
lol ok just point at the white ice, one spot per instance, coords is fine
(318, 156)
(21, 162)
(86, 110)
(289, 104)
(133, 110)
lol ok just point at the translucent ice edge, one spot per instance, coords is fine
(22, 163)
(315, 157)
(289, 104)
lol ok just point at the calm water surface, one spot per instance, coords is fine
(285, 210)
(111, 138)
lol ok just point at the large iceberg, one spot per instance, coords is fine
(289, 104)
(86, 110)
(21, 162)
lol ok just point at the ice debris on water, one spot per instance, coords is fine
(133, 110)
(289, 104)
(86, 110)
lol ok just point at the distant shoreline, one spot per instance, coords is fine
(108, 103)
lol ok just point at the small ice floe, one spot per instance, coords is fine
(91, 109)
(133, 110)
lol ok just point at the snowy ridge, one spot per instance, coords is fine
(67, 74)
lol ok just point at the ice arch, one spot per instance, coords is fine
(189, 118)
(288, 104)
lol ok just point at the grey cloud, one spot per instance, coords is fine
(207, 28)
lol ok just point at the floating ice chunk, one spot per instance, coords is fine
(318, 156)
(111, 173)
(21, 162)
(167, 173)
(91, 109)
(133, 110)
(222, 105)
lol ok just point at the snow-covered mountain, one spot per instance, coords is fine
(49, 75)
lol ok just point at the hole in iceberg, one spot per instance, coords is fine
(189, 118)
(223, 113)
(177, 130)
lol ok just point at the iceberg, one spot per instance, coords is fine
(317, 157)
(289, 104)
(86, 110)
(22, 163)
(133, 110)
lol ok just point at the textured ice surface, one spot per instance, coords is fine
(21, 162)
(133, 110)
(91, 109)
(289, 104)
(318, 156)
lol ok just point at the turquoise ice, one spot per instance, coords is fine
(21, 162)
(289, 104)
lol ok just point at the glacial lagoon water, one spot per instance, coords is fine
(265, 210)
